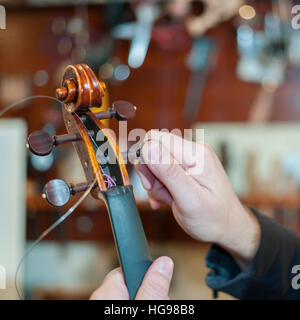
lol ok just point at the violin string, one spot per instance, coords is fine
(13, 105)
(46, 232)
(63, 217)
(109, 180)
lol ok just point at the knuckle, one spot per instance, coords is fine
(157, 188)
(207, 147)
(150, 134)
(171, 170)
(208, 150)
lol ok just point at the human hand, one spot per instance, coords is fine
(155, 285)
(203, 203)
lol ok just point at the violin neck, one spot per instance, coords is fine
(129, 236)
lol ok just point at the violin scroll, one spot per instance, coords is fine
(80, 88)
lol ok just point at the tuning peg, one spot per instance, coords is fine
(132, 154)
(121, 110)
(41, 143)
(57, 192)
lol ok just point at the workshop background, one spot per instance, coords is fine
(230, 67)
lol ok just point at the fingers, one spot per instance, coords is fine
(155, 204)
(180, 159)
(156, 283)
(146, 176)
(155, 188)
(187, 153)
(112, 288)
(169, 174)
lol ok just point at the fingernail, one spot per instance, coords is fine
(155, 205)
(165, 266)
(115, 273)
(147, 181)
(151, 152)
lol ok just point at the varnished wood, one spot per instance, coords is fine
(89, 93)
(80, 88)
(81, 91)
(84, 149)
(115, 148)
(62, 93)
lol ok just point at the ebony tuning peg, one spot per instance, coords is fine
(57, 192)
(41, 143)
(121, 110)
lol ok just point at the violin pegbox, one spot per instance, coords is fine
(80, 91)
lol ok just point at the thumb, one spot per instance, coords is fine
(112, 288)
(156, 283)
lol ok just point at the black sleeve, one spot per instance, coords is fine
(269, 275)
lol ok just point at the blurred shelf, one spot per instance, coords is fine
(92, 224)
(38, 204)
(291, 201)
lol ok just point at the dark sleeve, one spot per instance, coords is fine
(269, 275)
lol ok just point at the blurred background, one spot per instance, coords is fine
(230, 67)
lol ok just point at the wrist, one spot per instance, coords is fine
(242, 236)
